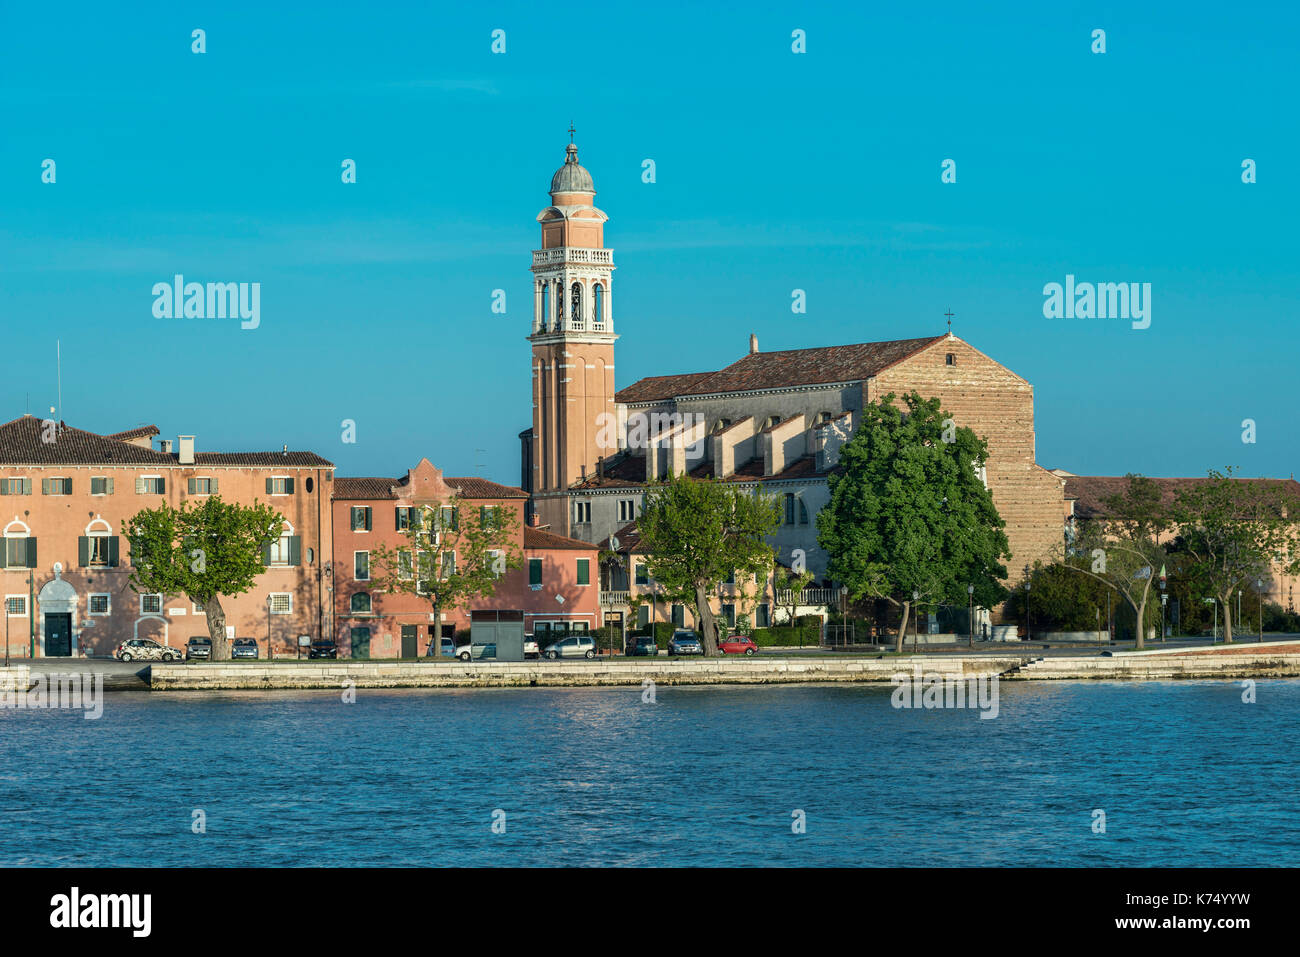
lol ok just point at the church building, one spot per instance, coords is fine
(770, 420)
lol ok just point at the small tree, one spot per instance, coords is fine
(1232, 533)
(449, 559)
(909, 514)
(793, 584)
(1123, 550)
(202, 551)
(696, 532)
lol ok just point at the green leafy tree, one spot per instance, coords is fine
(1124, 550)
(696, 532)
(449, 559)
(1233, 531)
(202, 551)
(909, 514)
(1062, 599)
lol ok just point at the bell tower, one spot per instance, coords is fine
(573, 342)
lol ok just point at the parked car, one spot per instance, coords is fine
(323, 648)
(738, 645)
(641, 645)
(198, 648)
(244, 648)
(575, 646)
(478, 651)
(530, 647)
(685, 643)
(446, 647)
(145, 649)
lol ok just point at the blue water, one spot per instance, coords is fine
(1186, 773)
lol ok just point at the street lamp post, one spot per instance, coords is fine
(1029, 626)
(1238, 607)
(268, 627)
(970, 590)
(1164, 597)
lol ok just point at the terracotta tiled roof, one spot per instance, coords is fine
(536, 538)
(348, 487)
(385, 488)
(474, 487)
(1090, 492)
(21, 443)
(779, 370)
(138, 433)
(658, 387)
(629, 539)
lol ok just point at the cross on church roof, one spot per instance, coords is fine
(571, 131)
(949, 314)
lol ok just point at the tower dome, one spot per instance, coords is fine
(572, 177)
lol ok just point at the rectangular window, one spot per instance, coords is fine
(360, 518)
(448, 564)
(582, 513)
(449, 518)
(99, 551)
(361, 566)
(99, 604)
(642, 577)
(729, 613)
(626, 510)
(496, 561)
(679, 616)
(789, 508)
(19, 553)
(15, 486)
(643, 616)
(584, 571)
(286, 550)
(151, 604)
(281, 603)
(763, 616)
(202, 486)
(197, 609)
(488, 516)
(101, 486)
(16, 606)
(405, 570)
(535, 572)
(402, 516)
(150, 485)
(279, 485)
(56, 486)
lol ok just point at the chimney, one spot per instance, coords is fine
(186, 450)
(536, 520)
(165, 446)
(753, 344)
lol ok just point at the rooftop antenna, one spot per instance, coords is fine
(58, 361)
(478, 466)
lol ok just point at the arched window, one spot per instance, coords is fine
(361, 602)
(770, 421)
(546, 304)
(559, 304)
(575, 305)
(281, 550)
(598, 307)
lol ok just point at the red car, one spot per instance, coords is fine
(738, 645)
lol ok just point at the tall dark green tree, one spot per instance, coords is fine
(202, 551)
(696, 533)
(909, 513)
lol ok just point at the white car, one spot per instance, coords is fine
(530, 647)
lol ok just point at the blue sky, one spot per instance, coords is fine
(775, 171)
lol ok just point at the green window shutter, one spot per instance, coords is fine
(455, 519)
(4, 487)
(266, 554)
(584, 571)
(162, 486)
(483, 519)
(4, 557)
(112, 550)
(45, 486)
(534, 571)
(31, 553)
(288, 486)
(367, 516)
(270, 484)
(109, 484)
(27, 486)
(295, 549)
(139, 486)
(83, 551)
(192, 484)
(213, 486)
(397, 519)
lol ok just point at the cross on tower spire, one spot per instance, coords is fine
(571, 131)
